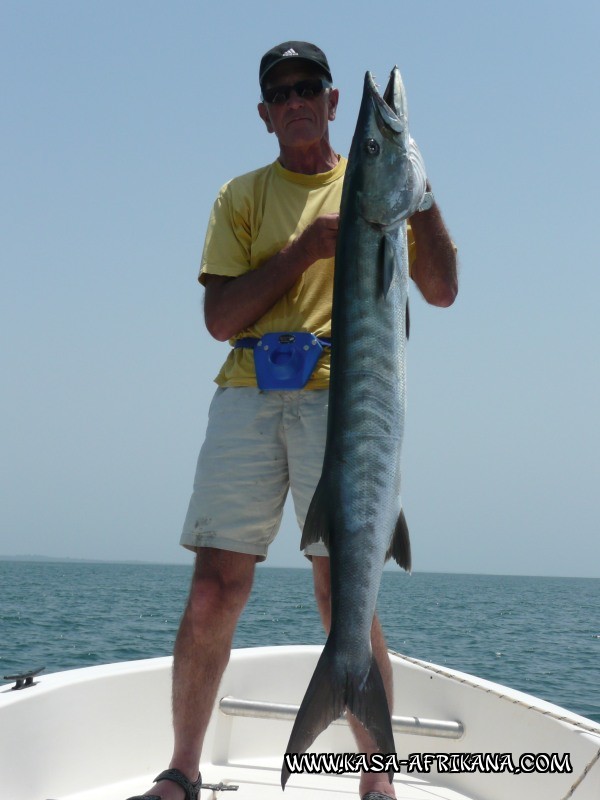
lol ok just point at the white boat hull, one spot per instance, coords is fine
(103, 733)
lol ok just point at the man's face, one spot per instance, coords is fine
(298, 122)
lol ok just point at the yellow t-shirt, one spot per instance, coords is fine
(253, 218)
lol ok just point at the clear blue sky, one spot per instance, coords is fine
(120, 122)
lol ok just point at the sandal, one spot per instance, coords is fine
(192, 790)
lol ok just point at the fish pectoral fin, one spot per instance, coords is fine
(317, 524)
(399, 548)
(389, 264)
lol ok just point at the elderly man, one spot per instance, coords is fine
(267, 267)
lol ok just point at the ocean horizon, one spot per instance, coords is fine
(264, 565)
(538, 634)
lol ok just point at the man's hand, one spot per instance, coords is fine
(434, 269)
(320, 238)
(233, 304)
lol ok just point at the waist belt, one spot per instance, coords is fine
(284, 360)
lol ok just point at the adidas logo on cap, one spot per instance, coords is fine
(291, 50)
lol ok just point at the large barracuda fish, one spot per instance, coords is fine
(356, 509)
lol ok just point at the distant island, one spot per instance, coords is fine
(68, 559)
(37, 559)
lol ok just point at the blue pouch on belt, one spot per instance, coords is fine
(284, 360)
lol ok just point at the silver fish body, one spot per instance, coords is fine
(356, 509)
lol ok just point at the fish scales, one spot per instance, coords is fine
(356, 509)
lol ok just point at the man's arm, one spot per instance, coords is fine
(233, 304)
(434, 269)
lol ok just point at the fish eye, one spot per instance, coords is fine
(372, 147)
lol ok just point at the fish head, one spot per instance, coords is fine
(388, 189)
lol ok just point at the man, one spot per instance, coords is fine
(267, 267)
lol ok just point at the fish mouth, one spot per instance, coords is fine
(391, 106)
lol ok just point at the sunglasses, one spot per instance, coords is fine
(306, 89)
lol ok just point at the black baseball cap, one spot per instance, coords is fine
(302, 51)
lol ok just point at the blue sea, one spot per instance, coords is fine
(540, 635)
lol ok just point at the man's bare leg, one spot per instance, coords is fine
(220, 587)
(369, 781)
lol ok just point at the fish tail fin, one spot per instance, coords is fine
(399, 548)
(316, 525)
(324, 701)
(368, 702)
(330, 691)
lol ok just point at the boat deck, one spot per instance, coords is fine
(103, 733)
(263, 784)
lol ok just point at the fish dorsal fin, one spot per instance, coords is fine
(399, 548)
(316, 526)
(388, 264)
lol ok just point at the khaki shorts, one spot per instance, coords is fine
(258, 445)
